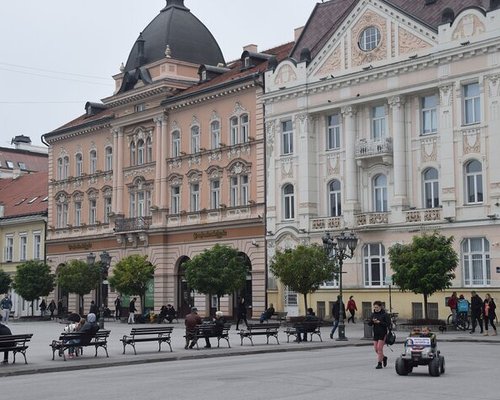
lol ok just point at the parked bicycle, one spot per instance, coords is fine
(462, 321)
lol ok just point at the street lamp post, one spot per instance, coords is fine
(105, 261)
(340, 250)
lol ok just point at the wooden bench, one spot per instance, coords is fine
(269, 330)
(161, 334)
(16, 344)
(99, 339)
(208, 331)
(304, 326)
(280, 316)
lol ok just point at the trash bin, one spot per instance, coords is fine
(368, 331)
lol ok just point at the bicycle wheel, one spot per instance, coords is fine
(462, 324)
(449, 321)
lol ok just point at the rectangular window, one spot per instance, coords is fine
(429, 114)
(93, 162)
(234, 135)
(195, 197)
(23, 247)
(9, 248)
(62, 215)
(244, 129)
(107, 209)
(141, 204)
(176, 144)
(78, 213)
(37, 246)
(214, 194)
(476, 262)
(109, 159)
(195, 139)
(374, 264)
(233, 190)
(175, 199)
(92, 211)
(472, 103)
(287, 137)
(132, 209)
(244, 190)
(417, 311)
(333, 132)
(79, 165)
(378, 122)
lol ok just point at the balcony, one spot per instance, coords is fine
(329, 223)
(132, 224)
(372, 219)
(367, 149)
(423, 215)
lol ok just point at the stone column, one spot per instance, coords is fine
(115, 168)
(158, 148)
(446, 150)
(163, 163)
(119, 172)
(492, 97)
(350, 183)
(399, 152)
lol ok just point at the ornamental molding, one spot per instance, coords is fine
(139, 172)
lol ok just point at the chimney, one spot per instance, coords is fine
(251, 48)
(298, 32)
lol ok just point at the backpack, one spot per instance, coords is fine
(390, 338)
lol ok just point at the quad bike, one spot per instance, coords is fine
(420, 351)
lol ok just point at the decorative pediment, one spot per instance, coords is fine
(285, 74)
(238, 167)
(468, 25)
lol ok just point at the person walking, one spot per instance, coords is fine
(131, 311)
(6, 306)
(336, 315)
(352, 308)
(476, 311)
(60, 309)
(52, 307)
(452, 303)
(489, 314)
(118, 307)
(379, 320)
(242, 313)
(43, 308)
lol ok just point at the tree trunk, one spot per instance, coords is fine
(33, 308)
(81, 310)
(218, 302)
(142, 296)
(305, 302)
(426, 316)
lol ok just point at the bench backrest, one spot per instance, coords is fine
(14, 340)
(263, 326)
(151, 331)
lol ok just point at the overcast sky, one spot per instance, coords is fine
(56, 55)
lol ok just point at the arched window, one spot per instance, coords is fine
(473, 182)
(132, 153)
(195, 139)
(430, 188)
(78, 165)
(476, 262)
(140, 152)
(234, 131)
(149, 150)
(334, 198)
(215, 134)
(288, 202)
(93, 162)
(380, 193)
(109, 159)
(176, 143)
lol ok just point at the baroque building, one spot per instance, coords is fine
(383, 121)
(168, 165)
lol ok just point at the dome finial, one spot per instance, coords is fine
(175, 3)
(168, 52)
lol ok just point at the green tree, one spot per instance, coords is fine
(5, 281)
(131, 276)
(425, 265)
(303, 269)
(76, 276)
(33, 279)
(217, 271)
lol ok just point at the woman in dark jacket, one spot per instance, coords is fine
(379, 321)
(242, 312)
(489, 314)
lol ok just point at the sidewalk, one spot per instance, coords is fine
(39, 354)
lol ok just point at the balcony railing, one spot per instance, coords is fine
(372, 218)
(132, 224)
(329, 223)
(424, 215)
(373, 147)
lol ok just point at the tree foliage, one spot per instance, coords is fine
(217, 271)
(303, 269)
(77, 276)
(5, 281)
(33, 279)
(424, 266)
(131, 276)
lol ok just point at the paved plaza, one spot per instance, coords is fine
(39, 354)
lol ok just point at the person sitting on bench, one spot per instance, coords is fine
(267, 314)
